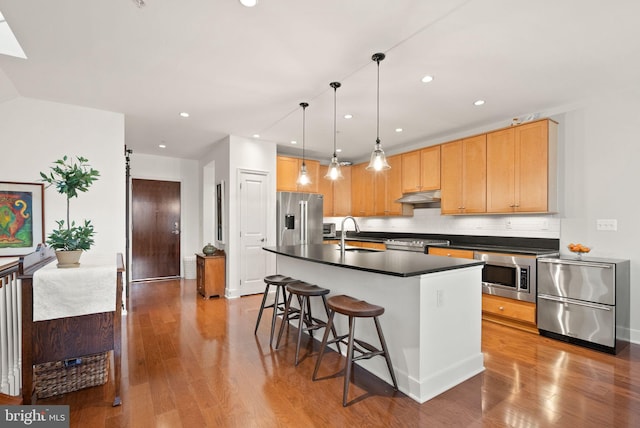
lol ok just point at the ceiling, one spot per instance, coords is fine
(243, 71)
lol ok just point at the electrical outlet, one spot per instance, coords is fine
(439, 298)
(545, 224)
(508, 224)
(610, 225)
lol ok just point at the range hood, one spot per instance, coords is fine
(420, 197)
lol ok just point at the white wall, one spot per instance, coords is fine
(230, 155)
(34, 133)
(186, 172)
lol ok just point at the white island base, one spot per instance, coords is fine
(432, 322)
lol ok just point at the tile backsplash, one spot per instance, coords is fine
(429, 220)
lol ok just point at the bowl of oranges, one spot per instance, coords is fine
(578, 249)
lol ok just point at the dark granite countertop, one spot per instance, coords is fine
(396, 263)
(496, 244)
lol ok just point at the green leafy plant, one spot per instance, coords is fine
(69, 178)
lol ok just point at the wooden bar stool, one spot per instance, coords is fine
(354, 308)
(280, 282)
(306, 322)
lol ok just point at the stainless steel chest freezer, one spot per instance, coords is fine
(585, 301)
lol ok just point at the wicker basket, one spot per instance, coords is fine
(60, 377)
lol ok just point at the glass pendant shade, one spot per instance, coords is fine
(334, 172)
(378, 160)
(303, 178)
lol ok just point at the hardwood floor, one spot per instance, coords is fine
(189, 362)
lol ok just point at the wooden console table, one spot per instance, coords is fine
(64, 338)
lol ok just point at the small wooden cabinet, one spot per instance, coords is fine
(388, 188)
(421, 170)
(509, 312)
(210, 274)
(362, 191)
(288, 169)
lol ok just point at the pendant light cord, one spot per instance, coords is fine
(304, 107)
(378, 104)
(335, 86)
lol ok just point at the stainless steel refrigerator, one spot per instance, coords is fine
(299, 218)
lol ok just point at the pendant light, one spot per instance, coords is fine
(334, 173)
(378, 160)
(303, 178)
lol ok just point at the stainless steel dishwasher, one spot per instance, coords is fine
(585, 302)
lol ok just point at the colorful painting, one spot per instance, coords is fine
(21, 219)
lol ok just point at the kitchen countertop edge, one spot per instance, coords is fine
(395, 263)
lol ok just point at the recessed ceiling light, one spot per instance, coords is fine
(248, 3)
(338, 150)
(162, 146)
(348, 116)
(427, 79)
(256, 135)
(478, 103)
(184, 114)
(399, 129)
(294, 142)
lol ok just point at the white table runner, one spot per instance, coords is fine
(69, 292)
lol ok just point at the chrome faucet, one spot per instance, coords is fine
(343, 233)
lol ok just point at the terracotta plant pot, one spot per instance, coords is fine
(68, 259)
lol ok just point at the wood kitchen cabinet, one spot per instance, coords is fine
(337, 194)
(210, 275)
(509, 312)
(362, 191)
(287, 171)
(388, 188)
(464, 176)
(451, 252)
(421, 170)
(521, 168)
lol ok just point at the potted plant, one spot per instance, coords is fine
(69, 178)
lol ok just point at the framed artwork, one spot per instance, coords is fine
(21, 218)
(220, 212)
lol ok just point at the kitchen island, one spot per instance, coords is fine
(433, 305)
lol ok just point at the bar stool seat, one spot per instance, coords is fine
(354, 308)
(280, 282)
(306, 322)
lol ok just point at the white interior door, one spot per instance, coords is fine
(253, 231)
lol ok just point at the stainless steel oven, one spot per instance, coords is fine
(509, 275)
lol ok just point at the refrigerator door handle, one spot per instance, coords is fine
(574, 302)
(577, 263)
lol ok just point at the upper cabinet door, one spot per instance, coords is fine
(411, 172)
(501, 155)
(287, 174)
(532, 163)
(430, 168)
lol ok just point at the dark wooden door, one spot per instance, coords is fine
(155, 226)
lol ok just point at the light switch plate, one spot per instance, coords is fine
(610, 225)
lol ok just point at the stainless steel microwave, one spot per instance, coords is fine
(509, 275)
